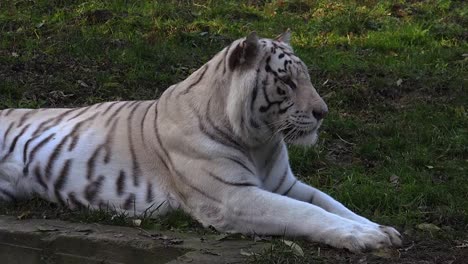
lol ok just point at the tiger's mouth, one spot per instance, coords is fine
(301, 136)
(298, 132)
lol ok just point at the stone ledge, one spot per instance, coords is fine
(54, 242)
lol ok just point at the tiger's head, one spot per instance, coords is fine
(271, 93)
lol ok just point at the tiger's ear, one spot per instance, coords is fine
(245, 52)
(284, 37)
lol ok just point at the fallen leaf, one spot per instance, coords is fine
(80, 82)
(399, 82)
(428, 227)
(388, 253)
(362, 260)
(84, 230)
(329, 95)
(39, 25)
(221, 237)
(207, 252)
(247, 253)
(461, 244)
(46, 229)
(297, 250)
(174, 241)
(23, 215)
(394, 180)
(136, 222)
(111, 84)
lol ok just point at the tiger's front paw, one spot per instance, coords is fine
(364, 238)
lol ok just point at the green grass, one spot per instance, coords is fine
(392, 72)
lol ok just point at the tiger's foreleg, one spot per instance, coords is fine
(253, 210)
(297, 190)
(309, 194)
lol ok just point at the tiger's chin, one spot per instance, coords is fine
(306, 140)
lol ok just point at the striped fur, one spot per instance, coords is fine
(213, 145)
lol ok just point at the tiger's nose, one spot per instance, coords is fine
(320, 113)
(317, 106)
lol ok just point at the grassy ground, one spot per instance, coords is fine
(394, 147)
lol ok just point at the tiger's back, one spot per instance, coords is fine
(92, 156)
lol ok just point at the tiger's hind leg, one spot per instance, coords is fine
(7, 192)
(12, 184)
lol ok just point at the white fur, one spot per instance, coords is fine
(205, 146)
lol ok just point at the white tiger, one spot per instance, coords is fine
(213, 145)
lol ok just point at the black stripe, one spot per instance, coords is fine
(283, 178)
(91, 163)
(53, 157)
(290, 188)
(253, 123)
(60, 181)
(289, 82)
(280, 91)
(6, 134)
(149, 193)
(218, 138)
(56, 119)
(33, 152)
(7, 194)
(116, 112)
(136, 171)
(13, 144)
(98, 105)
(274, 154)
(200, 77)
(39, 178)
(26, 147)
(286, 64)
(85, 109)
(108, 108)
(72, 198)
(169, 165)
(312, 198)
(93, 188)
(254, 96)
(263, 108)
(105, 146)
(225, 60)
(25, 117)
(283, 110)
(15, 140)
(158, 138)
(216, 177)
(120, 183)
(9, 111)
(142, 125)
(229, 137)
(185, 181)
(75, 133)
(129, 201)
(223, 57)
(240, 163)
(109, 140)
